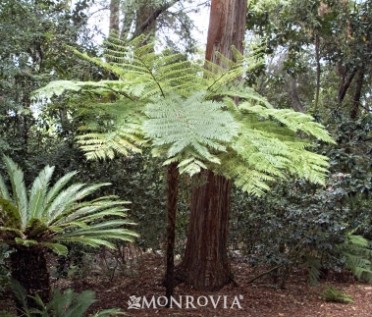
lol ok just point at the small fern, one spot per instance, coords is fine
(357, 252)
(314, 266)
(331, 294)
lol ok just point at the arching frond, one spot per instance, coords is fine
(60, 214)
(39, 191)
(19, 192)
(191, 127)
(267, 150)
(295, 121)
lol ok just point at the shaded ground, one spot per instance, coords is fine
(258, 299)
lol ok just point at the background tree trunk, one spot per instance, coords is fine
(114, 27)
(318, 71)
(205, 264)
(358, 93)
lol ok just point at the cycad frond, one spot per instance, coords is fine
(3, 189)
(18, 188)
(39, 191)
(58, 187)
(60, 214)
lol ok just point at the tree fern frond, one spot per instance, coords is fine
(295, 121)
(192, 125)
(357, 252)
(106, 144)
(243, 93)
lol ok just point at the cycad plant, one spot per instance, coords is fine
(50, 217)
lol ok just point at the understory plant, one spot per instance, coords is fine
(65, 303)
(357, 252)
(334, 295)
(50, 217)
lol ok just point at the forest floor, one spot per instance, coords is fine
(260, 298)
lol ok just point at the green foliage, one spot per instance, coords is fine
(331, 294)
(185, 121)
(192, 126)
(358, 256)
(52, 216)
(266, 150)
(63, 304)
(294, 226)
(299, 225)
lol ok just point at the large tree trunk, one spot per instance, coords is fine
(205, 265)
(29, 268)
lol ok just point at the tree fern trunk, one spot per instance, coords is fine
(205, 265)
(172, 192)
(29, 268)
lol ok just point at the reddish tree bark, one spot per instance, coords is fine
(205, 265)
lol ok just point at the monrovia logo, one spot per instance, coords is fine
(185, 302)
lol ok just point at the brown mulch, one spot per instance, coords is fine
(258, 299)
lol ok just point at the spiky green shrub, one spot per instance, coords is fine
(51, 217)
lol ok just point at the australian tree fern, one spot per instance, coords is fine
(187, 113)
